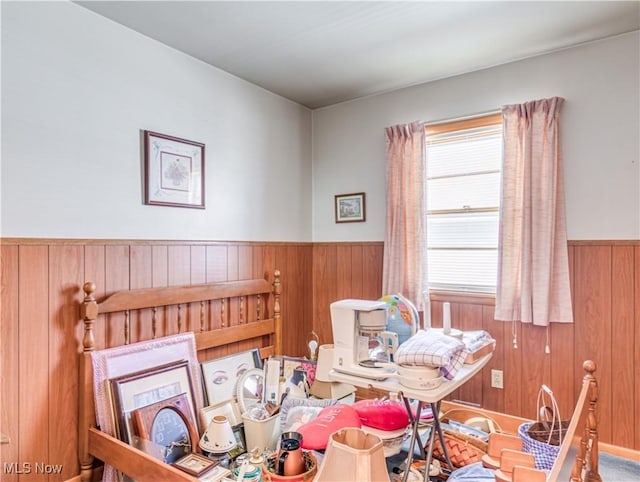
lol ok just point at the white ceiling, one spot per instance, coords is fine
(319, 53)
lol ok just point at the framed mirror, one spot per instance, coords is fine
(249, 389)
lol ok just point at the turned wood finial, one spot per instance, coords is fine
(589, 366)
(277, 289)
(276, 286)
(88, 314)
(89, 288)
(591, 450)
(276, 312)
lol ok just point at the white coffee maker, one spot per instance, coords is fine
(362, 346)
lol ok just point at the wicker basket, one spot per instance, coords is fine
(545, 454)
(472, 417)
(543, 438)
(552, 435)
(462, 449)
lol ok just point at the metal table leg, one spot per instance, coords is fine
(435, 408)
(414, 435)
(415, 438)
(413, 419)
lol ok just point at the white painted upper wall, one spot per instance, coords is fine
(78, 89)
(600, 129)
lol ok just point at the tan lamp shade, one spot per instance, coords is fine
(352, 454)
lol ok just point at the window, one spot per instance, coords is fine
(463, 198)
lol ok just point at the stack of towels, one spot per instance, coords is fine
(433, 349)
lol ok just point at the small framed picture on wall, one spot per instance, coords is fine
(174, 171)
(350, 208)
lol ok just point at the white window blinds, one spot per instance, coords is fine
(463, 197)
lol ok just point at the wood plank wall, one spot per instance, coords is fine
(40, 334)
(605, 281)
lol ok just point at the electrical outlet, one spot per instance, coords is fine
(496, 379)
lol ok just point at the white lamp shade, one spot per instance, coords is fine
(324, 363)
(219, 437)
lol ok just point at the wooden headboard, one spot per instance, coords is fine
(225, 317)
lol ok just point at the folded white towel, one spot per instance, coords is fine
(434, 349)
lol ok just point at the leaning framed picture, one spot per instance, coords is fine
(118, 361)
(220, 375)
(195, 464)
(350, 208)
(149, 386)
(288, 365)
(228, 408)
(113, 363)
(241, 444)
(174, 171)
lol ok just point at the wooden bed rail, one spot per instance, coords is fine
(133, 462)
(578, 456)
(577, 459)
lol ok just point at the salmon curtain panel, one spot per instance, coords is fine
(533, 265)
(404, 268)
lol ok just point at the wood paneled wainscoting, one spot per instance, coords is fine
(605, 283)
(41, 334)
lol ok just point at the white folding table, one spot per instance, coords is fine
(433, 397)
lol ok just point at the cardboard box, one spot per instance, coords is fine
(334, 390)
(480, 352)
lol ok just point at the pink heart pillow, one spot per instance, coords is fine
(315, 434)
(382, 414)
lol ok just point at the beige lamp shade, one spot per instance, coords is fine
(352, 454)
(219, 437)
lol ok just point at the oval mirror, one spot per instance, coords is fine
(249, 389)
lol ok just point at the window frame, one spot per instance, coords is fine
(445, 127)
